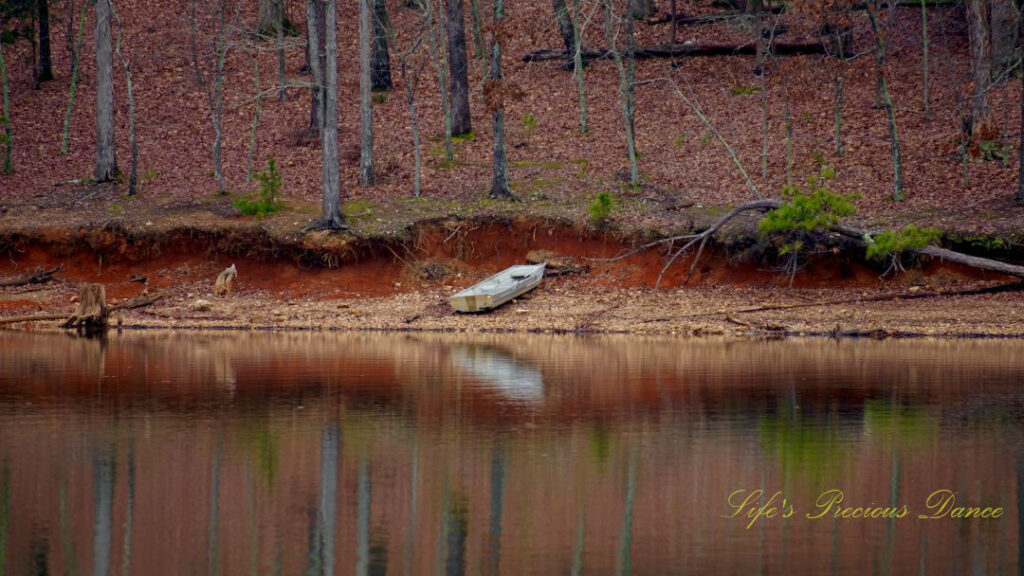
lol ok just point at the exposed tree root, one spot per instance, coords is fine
(854, 233)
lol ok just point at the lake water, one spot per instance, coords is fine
(228, 453)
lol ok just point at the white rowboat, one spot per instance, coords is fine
(498, 289)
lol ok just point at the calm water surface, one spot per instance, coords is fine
(389, 454)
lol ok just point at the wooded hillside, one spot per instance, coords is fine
(218, 87)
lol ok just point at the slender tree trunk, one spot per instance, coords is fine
(674, 25)
(332, 179)
(45, 59)
(924, 61)
(764, 125)
(577, 63)
(6, 116)
(981, 68)
(316, 32)
(74, 78)
(625, 86)
(381, 56)
(1020, 147)
(496, 103)
(789, 128)
(366, 176)
(106, 162)
(221, 47)
(34, 39)
(837, 92)
(410, 97)
(479, 43)
(133, 174)
(894, 140)
(255, 116)
(437, 55)
(69, 35)
(282, 72)
(326, 83)
(458, 68)
(566, 28)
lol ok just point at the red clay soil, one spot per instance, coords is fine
(374, 285)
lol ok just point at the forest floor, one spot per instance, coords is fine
(405, 253)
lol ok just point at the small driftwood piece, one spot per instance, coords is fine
(92, 313)
(222, 287)
(38, 277)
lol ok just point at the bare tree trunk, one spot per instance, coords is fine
(837, 92)
(886, 98)
(493, 92)
(133, 175)
(924, 60)
(577, 64)
(1020, 147)
(316, 32)
(6, 117)
(479, 44)
(106, 162)
(326, 84)
(366, 176)
(625, 86)
(270, 13)
(640, 9)
(410, 81)
(74, 78)
(458, 68)
(255, 116)
(282, 72)
(566, 28)
(216, 96)
(381, 57)
(981, 68)
(437, 55)
(45, 59)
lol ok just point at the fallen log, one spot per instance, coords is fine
(686, 49)
(38, 277)
(685, 20)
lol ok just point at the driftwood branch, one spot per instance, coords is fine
(685, 49)
(1011, 287)
(38, 277)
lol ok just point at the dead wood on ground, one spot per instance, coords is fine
(686, 49)
(38, 277)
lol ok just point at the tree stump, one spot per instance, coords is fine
(92, 312)
(222, 287)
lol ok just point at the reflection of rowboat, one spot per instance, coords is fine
(513, 378)
(498, 289)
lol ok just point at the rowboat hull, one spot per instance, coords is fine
(496, 290)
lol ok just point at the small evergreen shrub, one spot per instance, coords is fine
(601, 208)
(270, 189)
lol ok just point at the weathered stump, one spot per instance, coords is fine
(92, 312)
(222, 287)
